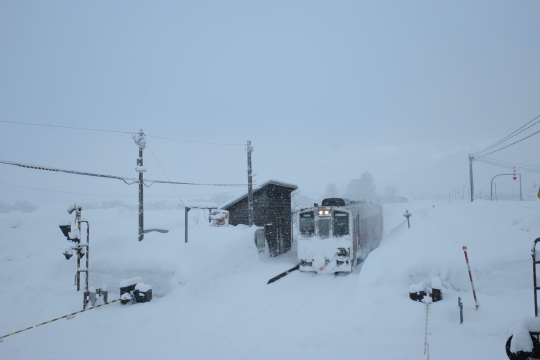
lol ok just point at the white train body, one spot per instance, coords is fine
(335, 236)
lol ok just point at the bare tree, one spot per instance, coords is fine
(362, 188)
(196, 216)
(331, 191)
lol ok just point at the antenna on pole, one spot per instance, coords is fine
(140, 141)
(249, 150)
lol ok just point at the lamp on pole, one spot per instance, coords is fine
(514, 177)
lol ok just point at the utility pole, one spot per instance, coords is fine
(141, 142)
(471, 176)
(249, 150)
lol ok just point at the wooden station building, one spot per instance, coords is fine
(271, 210)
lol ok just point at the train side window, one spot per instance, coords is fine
(307, 224)
(341, 223)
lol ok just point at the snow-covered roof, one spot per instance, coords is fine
(269, 182)
(201, 204)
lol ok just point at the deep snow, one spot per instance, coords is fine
(211, 300)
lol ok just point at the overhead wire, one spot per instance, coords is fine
(129, 181)
(193, 141)
(511, 163)
(117, 131)
(164, 173)
(66, 127)
(509, 136)
(506, 166)
(109, 195)
(515, 142)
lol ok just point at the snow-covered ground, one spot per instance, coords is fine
(211, 300)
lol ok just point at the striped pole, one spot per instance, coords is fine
(69, 316)
(470, 276)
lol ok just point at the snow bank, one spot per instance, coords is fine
(521, 337)
(213, 289)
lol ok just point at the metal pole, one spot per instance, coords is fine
(491, 196)
(86, 292)
(460, 304)
(425, 336)
(249, 150)
(78, 276)
(471, 176)
(186, 224)
(520, 193)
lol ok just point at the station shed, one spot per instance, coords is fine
(271, 210)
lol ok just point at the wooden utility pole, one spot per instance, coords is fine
(471, 176)
(141, 142)
(249, 150)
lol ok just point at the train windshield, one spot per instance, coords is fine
(307, 224)
(341, 223)
(324, 228)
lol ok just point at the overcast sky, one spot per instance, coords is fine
(324, 90)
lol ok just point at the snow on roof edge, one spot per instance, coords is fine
(269, 182)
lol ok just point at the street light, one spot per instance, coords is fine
(513, 177)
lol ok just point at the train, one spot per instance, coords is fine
(339, 234)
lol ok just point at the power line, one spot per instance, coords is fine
(127, 180)
(66, 127)
(116, 131)
(163, 171)
(515, 142)
(521, 168)
(193, 141)
(510, 163)
(105, 195)
(509, 136)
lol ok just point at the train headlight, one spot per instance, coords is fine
(326, 212)
(320, 212)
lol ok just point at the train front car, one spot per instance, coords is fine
(325, 242)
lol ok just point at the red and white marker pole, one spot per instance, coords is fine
(470, 275)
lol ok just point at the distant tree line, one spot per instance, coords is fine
(364, 189)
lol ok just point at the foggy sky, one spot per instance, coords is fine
(323, 90)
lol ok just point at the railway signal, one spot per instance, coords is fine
(80, 249)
